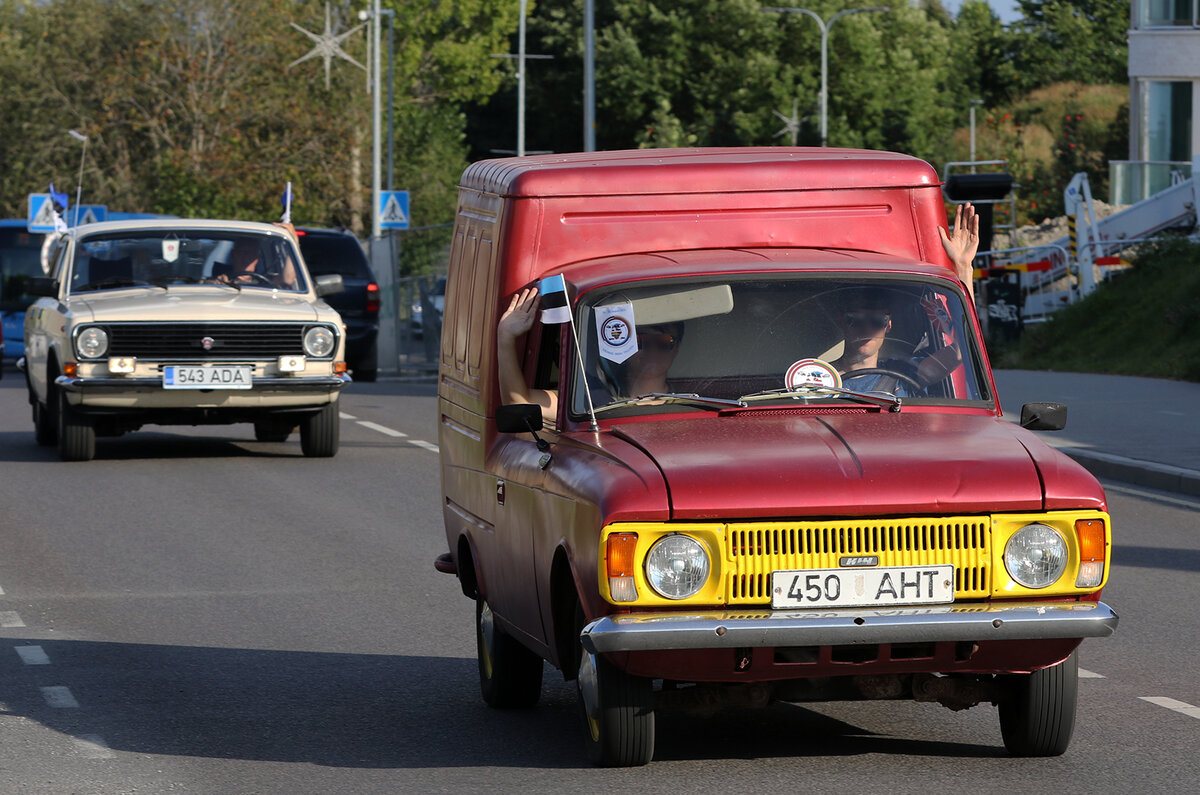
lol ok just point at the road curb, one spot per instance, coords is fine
(1141, 473)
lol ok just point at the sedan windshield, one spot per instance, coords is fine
(770, 340)
(161, 258)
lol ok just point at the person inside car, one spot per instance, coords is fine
(865, 317)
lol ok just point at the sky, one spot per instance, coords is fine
(1005, 9)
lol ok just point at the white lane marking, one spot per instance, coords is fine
(1, 592)
(433, 448)
(1193, 504)
(1172, 413)
(10, 618)
(33, 655)
(1086, 674)
(59, 697)
(1170, 703)
(346, 416)
(382, 429)
(92, 746)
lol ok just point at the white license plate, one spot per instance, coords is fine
(209, 377)
(863, 587)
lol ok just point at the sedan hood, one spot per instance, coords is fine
(190, 302)
(851, 463)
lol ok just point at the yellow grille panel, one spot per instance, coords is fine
(754, 550)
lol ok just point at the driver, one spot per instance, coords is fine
(865, 318)
(246, 266)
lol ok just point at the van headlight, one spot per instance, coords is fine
(1036, 556)
(319, 342)
(677, 566)
(91, 343)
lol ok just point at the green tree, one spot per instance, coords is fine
(1081, 41)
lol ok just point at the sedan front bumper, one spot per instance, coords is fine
(719, 629)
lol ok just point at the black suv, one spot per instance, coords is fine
(337, 251)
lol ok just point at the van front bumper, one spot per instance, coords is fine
(721, 629)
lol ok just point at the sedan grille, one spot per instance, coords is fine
(756, 549)
(206, 341)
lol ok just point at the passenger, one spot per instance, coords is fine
(643, 373)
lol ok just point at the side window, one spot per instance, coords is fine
(546, 355)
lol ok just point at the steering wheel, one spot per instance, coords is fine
(261, 277)
(883, 371)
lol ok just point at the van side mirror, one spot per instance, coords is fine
(519, 418)
(42, 287)
(328, 284)
(1044, 416)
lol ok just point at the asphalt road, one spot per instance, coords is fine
(197, 612)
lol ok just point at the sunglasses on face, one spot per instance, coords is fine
(869, 320)
(657, 340)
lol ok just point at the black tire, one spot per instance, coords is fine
(618, 712)
(510, 675)
(76, 433)
(45, 424)
(1037, 711)
(320, 433)
(272, 431)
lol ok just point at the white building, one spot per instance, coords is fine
(1164, 90)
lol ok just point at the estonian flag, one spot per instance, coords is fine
(553, 290)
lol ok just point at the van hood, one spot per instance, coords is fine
(853, 463)
(193, 302)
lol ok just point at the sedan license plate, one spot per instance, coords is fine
(863, 587)
(211, 377)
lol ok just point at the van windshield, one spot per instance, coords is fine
(775, 339)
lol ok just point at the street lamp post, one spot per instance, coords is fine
(825, 26)
(974, 102)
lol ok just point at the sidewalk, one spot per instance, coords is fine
(1144, 431)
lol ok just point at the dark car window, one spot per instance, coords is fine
(334, 253)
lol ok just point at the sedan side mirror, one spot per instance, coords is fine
(328, 284)
(42, 287)
(1044, 416)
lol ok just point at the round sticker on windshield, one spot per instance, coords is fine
(812, 372)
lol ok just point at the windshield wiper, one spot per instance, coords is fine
(685, 398)
(113, 283)
(805, 391)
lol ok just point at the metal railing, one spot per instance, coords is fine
(1131, 181)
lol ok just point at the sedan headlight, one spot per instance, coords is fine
(677, 567)
(91, 343)
(1036, 556)
(319, 342)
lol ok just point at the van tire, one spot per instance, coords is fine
(617, 711)
(1037, 711)
(320, 433)
(76, 433)
(510, 675)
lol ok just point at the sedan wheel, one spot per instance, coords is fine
(76, 433)
(320, 433)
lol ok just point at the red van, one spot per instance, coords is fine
(719, 511)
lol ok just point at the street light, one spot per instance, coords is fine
(79, 185)
(974, 102)
(825, 26)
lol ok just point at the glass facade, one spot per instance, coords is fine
(1167, 13)
(1168, 115)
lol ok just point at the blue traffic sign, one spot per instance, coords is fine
(41, 213)
(87, 214)
(393, 209)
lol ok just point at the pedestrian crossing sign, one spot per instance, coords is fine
(41, 213)
(87, 214)
(393, 209)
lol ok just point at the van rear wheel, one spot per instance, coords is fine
(1037, 711)
(510, 675)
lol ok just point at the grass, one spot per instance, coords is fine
(1145, 321)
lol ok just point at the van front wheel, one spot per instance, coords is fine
(1037, 710)
(618, 712)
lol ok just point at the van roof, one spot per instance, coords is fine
(698, 170)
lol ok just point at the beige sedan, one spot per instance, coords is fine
(182, 322)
